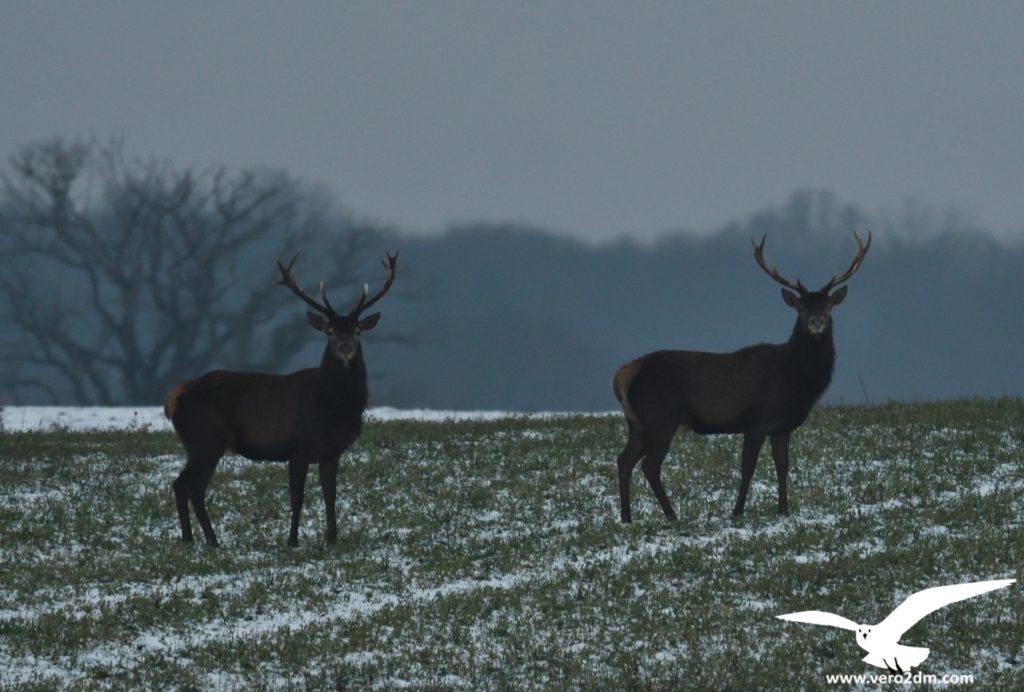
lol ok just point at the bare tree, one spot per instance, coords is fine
(122, 276)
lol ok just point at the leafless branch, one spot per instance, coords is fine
(158, 271)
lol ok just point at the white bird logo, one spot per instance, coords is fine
(881, 641)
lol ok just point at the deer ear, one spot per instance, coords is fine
(368, 323)
(317, 321)
(837, 297)
(792, 300)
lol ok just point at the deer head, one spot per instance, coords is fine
(343, 331)
(813, 307)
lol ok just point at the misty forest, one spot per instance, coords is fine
(124, 274)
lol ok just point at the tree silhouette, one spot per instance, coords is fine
(123, 276)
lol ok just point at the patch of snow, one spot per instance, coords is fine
(565, 524)
(360, 657)
(868, 546)
(29, 669)
(83, 418)
(29, 418)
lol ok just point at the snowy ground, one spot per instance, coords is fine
(489, 555)
(24, 418)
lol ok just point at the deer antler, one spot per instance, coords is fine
(389, 278)
(288, 279)
(773, 272)
(862, 250)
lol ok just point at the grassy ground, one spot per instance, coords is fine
(489, 555)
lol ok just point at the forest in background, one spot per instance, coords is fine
(121, 276)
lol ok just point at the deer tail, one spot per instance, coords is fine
(171, 402)
(621, 384)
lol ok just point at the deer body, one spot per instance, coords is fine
(313, 413)
(764, 391)
(767, 388)
(306, 418)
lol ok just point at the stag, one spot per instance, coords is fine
(762, 391)
(309, 417)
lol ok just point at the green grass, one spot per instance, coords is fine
(489, 555)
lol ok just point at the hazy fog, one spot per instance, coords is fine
(572, 184)
(594, 119)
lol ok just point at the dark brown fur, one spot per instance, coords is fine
(307, 418)
(621, 384)
(171, 402)
(763, 391)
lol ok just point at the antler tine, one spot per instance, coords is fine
(389, 278)
(862, 250)
(773, 272)
(288, 279)
(323, 296)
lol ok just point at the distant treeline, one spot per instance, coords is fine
(122, 276)
(516, 318)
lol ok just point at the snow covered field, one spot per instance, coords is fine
(486, 553)
(22, 418)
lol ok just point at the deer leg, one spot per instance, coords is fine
(191, 485)
(752, 443)
(297, 471)
(198, 497)
(780, 453)
(628, 459)
(181, 491)
(657, 447)
(328, 483)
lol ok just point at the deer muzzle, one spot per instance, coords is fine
(345, 351)
(817, 324)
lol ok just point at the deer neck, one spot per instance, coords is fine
(343, 384)
(812, 358)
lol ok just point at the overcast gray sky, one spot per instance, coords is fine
(592, 118)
